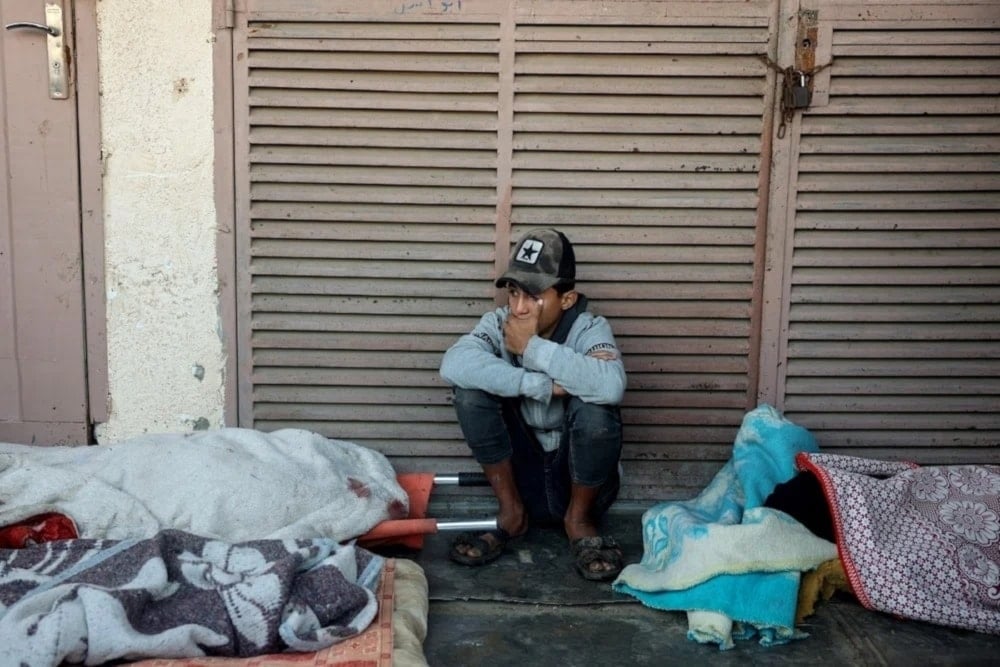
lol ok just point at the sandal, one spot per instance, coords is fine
(603, 550)
(489, 549)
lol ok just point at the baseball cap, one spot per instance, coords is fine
(541, 259)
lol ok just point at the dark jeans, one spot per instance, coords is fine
(588, 452)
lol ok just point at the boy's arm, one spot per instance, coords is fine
(475, 362)
(594, 375)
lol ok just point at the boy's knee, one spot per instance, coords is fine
(465, 399)
(591, 417)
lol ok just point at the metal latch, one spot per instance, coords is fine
(55, 43)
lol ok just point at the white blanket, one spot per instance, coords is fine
(230, 484)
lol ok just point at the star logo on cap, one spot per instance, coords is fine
(529, 252)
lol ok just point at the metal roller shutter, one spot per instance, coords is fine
(371, 176)
(639, 134)
(893, 325)
(390, 153)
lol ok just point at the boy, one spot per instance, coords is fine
(537, 387)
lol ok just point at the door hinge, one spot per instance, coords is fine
(225, 15)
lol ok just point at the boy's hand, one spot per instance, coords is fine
(517, 331)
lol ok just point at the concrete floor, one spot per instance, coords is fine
(530, 608)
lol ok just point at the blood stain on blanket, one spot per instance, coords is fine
(359, 488)
(397, 510)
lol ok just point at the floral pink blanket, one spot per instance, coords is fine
(919, 542)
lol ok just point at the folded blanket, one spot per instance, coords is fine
(918, 542)
(180, 595)
(232, 484)
(724, 556)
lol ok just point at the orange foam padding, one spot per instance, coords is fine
(407, 532)
(40, 528)
(400, 528)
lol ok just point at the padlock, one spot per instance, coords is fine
(797, 93)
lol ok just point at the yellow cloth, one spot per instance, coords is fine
(820, 584)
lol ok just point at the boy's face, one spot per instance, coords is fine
(548, 307)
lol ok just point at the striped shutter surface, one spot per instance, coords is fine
(639, 135)
(894, 323)
(372, 189)
(394, 151)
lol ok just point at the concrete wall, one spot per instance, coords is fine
(164, 331)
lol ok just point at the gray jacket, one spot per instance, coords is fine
(479, 360)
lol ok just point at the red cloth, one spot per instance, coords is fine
(39, 528)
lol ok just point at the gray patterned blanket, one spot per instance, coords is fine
(918, 542)
(180, 595)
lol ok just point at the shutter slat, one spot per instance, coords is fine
(323, 304)
(896, 220)
(355, 175)
(375, 46)
(886, 124)
(632, 180)
(456, 121)
(894, 386)
(895, 276)
(379, 138)
(309, 99)
(889, 294)
(955, 164)
(294, 31)
(398, 157)
(898, 257)
(632, 104)
(640, 85)
(861, 404)
(392, 83)
(400, 194)
(329, 340)
(652, 162)
(904, 440)
(869, 368)
(694, 217)
(368, 269)
(372, 231)
(432, 61)
(746, 199)
(924, 85)
(382, 212)
(583, 34)
(628, 124)
(909, 350)
(889, 333)
(371, 287)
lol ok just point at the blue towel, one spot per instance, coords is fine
(722, 551)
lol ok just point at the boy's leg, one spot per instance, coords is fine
(484, 421)
(589, 477)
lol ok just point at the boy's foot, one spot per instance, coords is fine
(476, 549)
(597, 558)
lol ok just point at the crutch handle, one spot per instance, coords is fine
(462, 479)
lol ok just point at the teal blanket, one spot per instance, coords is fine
(732, 563)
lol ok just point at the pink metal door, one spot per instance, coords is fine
(43, 388)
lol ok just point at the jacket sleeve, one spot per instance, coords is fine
(476, 361)
(589, 378)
